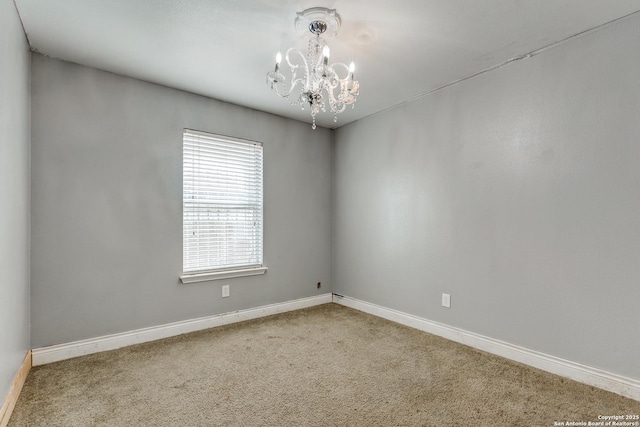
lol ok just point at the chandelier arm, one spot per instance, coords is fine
(341, 65)
(334, 102)
(294, 67)
(279, 89)
(341, 108)
(283, 91)
(280, 86)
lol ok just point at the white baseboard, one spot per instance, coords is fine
(624, 386)
(59, 352)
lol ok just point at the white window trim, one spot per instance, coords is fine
(219, 274)
(222, 274)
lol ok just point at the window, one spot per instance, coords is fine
(222, 207)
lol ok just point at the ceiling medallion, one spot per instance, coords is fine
(314, 82)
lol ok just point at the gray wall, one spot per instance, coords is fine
(14, 195)
(107, 208)
(517, 192)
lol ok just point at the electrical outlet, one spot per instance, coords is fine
(446, 300)
(225, 291)
(319, 285)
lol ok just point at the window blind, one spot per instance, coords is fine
(222, 203)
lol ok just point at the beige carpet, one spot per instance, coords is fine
(324, 366)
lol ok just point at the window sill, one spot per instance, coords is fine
(219, 275)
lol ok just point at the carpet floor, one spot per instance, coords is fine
(323, 366)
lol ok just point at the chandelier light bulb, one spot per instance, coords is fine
(276, 71)
(325, 55)
(352, 68)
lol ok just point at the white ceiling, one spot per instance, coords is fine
(224, 48)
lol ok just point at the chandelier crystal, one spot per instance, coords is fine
(313, 82)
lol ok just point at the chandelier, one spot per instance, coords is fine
(313, 81)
